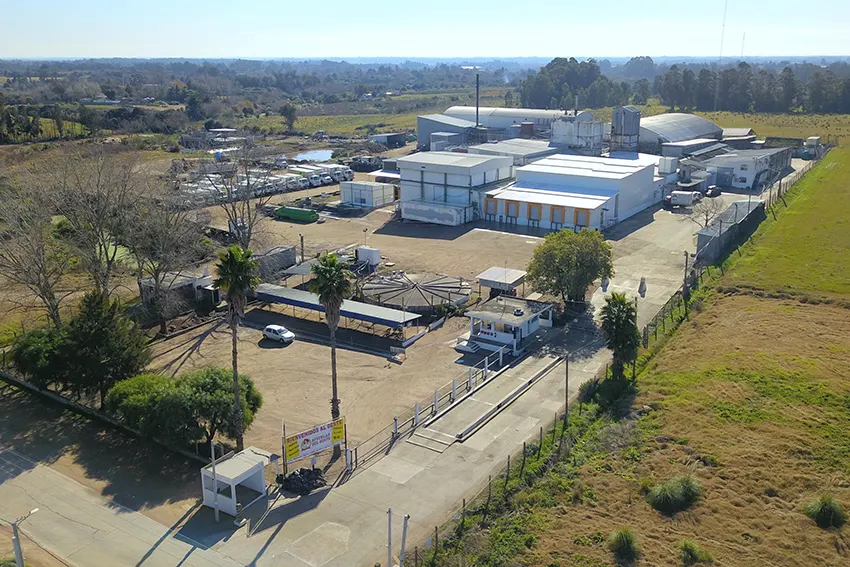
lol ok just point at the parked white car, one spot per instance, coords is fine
(278, 333)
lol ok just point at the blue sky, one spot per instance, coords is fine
(421, 28)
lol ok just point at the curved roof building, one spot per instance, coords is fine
(675, 127)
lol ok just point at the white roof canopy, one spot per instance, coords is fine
(501, 278)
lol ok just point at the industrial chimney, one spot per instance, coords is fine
(476, 99)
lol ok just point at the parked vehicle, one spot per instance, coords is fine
(296, 214)
(303, 183)
(315, 180)
(682, 199)
(278, 333)
(327, 179)
(712, 191)
(281, 163)
(366, 163)
(338, 175)
(349, 174)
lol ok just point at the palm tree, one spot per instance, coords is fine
(236, 277)
(619, 325)
(332, 283)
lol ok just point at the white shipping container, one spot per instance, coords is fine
(366, 193)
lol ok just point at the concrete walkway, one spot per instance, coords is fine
(86, 530)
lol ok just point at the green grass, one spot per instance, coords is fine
(693, 553)
(623, 544)
(826, 512)
(341, 125)
(677, 494)
(808, 249)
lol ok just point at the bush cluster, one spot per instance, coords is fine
(677, 494)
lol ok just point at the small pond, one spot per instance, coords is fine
(314, 155)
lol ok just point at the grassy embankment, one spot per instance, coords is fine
(749, 398)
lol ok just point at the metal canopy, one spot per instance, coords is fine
(352, 309)
(504, 279)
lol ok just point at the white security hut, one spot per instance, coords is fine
(239, 479)
(505, 321)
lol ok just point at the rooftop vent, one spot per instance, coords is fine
(518, 312)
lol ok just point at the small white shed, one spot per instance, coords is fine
(238, 479)
(368, 194)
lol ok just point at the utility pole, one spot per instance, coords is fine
(16, 538)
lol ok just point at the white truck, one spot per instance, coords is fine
(315, 180)
(682, 199)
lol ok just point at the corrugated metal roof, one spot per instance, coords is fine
(449, 120)
(351, 309)
(452, 158)
(676, 126)
(563, 198)
(517, 147)
(737, 132)
(518, 113)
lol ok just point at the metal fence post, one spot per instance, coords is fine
(395, 427)
(454, 389)
(416, 415)
(436, 400)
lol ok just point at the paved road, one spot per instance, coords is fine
(85, 529)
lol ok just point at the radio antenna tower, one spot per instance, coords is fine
(720, 57)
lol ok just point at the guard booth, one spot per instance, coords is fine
(238, 479)
(501, 281)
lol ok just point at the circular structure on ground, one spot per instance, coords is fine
(420, 293)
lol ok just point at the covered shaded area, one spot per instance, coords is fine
(355, 310)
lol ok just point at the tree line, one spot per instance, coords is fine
(744, 89)
(737, 88)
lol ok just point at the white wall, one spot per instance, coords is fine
(436, 213)
(595, 216)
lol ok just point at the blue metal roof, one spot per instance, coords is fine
(270, 293)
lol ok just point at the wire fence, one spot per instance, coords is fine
(403, 425)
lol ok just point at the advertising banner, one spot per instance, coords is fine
(314, 440)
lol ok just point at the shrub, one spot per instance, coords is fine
(693, 553)
(677, 494)
(623, 544)
(827, 512)
(36, 356)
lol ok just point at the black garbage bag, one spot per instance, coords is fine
(302, 481)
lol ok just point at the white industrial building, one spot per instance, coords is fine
(749, 169)
(520, 150)
(674, 127)
(367, 194)
(577, 191)
(446, 188)
(504, 118)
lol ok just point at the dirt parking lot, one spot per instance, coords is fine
(295, 379)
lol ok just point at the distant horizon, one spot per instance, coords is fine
(423, 59)
(268, 29)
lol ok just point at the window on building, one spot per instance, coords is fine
(512, 209)
(491, 206)
(534, 211)
(744, 167)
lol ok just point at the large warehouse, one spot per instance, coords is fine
(504, 118)
(439, 124)
(445, 187)
(674, 127)
(576, 191)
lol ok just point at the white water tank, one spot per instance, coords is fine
(371, 256)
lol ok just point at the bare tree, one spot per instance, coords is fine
(705, 211)
(95, 190)
(31, 255)
(164, 239)
(241, 190)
